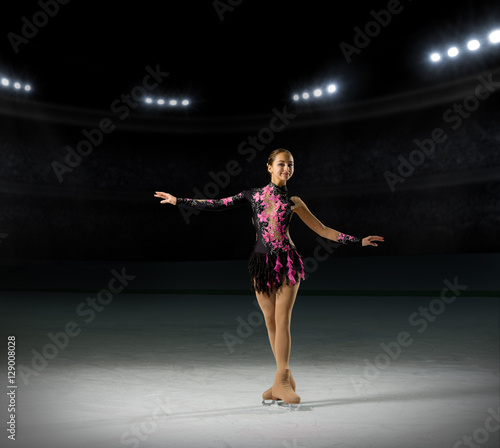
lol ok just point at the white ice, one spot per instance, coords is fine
(157, 370)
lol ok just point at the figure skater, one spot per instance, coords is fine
(275, 266)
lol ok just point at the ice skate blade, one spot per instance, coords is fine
(281, 405)
(269, 402)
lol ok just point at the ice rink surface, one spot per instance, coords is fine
(159, 370)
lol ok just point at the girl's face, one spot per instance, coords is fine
(282, 168)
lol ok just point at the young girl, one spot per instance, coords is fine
(275, 266)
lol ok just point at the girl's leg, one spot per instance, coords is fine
(267, 304)
(285, 299)
(284, 386)
(277, 314)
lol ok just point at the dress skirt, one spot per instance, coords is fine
(269, 271)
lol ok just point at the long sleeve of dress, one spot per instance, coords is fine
(215, 204)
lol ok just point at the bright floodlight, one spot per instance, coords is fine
(296, 97)
(17, 85)
(435, 57)
(452, 52)
(317, 92)
(473, 45)
(27, 87)
(305, 95)
(5, 82)
(331, 88)
(161, 102)
(173, 102)
(149, 100)
(494, 37)
(185, 102)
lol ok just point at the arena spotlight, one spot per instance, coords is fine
(494, 37)
(164, 102)
(435, 57)
(15, 85)
(473, 45)
(331, 88)
(316, 93)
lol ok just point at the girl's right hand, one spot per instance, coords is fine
(167, 198)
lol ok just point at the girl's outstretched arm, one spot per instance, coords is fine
(204, 204)
(326, 232)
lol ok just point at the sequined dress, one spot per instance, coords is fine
(274, 259)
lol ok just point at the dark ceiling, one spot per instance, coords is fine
(90, 53)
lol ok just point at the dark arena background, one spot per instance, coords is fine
(126, 322)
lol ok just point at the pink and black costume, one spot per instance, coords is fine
(274, 259)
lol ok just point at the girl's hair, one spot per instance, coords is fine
(273, 155)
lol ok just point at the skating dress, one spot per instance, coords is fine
(274, 259)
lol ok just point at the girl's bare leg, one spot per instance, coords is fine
(267, 304)
(285, 299)
(282, 387)
(277, 310)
